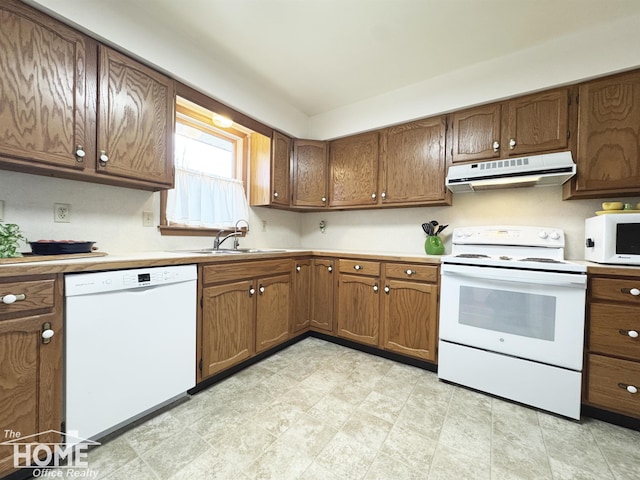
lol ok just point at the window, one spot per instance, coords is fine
(209, 193)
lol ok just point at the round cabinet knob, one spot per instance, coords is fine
(357, 267)
(512, 143)
(632, 389)
(80, 153)
(496, 145)
(324, 199)
(387, 289)
(298, 268)
(9, 299)
(634, 291)
(632, 334)
(47, 334)
(409, 272)
(375, 287)
(543, 234)
(330, 269)
(275, 194)
(373, 196)
(383, 195)
(104, 158)
(252, 291)
(261, 289)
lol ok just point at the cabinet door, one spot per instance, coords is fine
(359, 308)
(30, 381)
(281, 158)
(410, 318)
(135, 120)
(322, 295)
(476, 133)
(273, 311)
(353, 165)
(412, 162)
(43, 90)
(227, 325)
(608, 156)
(537, 123)
(310, 173)
(301, 295)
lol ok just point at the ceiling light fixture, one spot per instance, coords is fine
(221, 121)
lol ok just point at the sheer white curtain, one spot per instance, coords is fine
(203, 200)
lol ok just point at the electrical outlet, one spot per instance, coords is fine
(1, 210)
(61, 212)
(147, 218)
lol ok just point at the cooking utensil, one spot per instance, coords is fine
(428, 228)
(441, 228)
(50, 247)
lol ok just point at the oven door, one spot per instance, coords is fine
(534, 315)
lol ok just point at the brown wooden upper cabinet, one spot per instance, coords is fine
(51, 81)
(413, 163)
(269, 170)
(531, 124)
(135, 120)
(608, 152)
(43, 99)
(310, 173)
(353, 166)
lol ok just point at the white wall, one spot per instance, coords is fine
(398, 230)
(112, 216)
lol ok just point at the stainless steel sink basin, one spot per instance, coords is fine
(225, 251)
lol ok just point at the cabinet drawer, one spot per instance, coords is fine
(608, 381)
(614, 329)
(33, 295)
(236, 271)
(359, 267)
(615, 289)
(410, 271)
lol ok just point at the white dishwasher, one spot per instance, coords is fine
(130, 345)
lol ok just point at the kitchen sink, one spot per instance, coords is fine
(225, 251)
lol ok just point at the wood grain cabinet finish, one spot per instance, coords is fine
(536, 123)
(43, 93)
(322, 294)
(302, 291)
(410, 310)
(353, 166)
(526, 125)
(358, 303)
(270, 170)
(228, 329)
(31, 370)
(246, 309)
(310, 173)
(281, 159)
(72, 108)
(476, 133)
(135, 120)
(613, 345)
(608, 152)
(413, 163)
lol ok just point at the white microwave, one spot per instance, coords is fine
(613, 238)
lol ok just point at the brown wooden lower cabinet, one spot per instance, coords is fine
(322, 288)
(614, 384)
(302, 292)
(30, 367)
(246, 309)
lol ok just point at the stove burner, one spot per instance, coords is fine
(541, 260)
(471, 255)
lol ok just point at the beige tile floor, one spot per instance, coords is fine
(319, 411)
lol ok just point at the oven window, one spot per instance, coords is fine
(628, 238)
(525, 314)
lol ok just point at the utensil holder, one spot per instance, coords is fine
(433, 245)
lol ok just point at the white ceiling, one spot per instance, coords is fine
(324, 54)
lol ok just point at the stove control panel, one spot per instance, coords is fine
(509, 235)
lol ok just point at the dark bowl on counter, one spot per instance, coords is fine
(49, 247)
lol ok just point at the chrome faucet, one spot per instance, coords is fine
(218, 241)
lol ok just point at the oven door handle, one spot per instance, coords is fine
(554, 280)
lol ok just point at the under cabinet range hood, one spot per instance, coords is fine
(534, 171)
